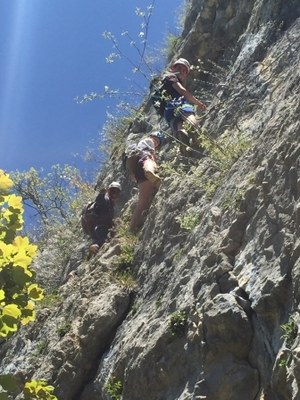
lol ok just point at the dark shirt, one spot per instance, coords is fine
(104, 209)
(168, 80)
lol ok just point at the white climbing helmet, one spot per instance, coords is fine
(184, 62)
(115, 185)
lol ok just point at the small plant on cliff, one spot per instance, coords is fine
(231, 201)
(122, 263)
(51, 300)
(114, 388)
(63, 329)
(290, 331)
(189, 221)
(125, 257)
(38, 390)
(178, 323)
(125, 279)
(223, 151)
(42, 346)
(168, 168)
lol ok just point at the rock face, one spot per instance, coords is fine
(215, 314)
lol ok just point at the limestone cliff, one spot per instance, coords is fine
(214, 313)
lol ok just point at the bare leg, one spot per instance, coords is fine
(150, 168)
(146, 193)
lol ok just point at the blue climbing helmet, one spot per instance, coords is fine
(159, 136)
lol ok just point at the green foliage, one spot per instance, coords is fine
(172, 44)
(38, 390)
(189, 221)
(182, 12)
(114, 388)
(12, 387)
(50, 300)
(42, 346)
(210, 186)
(64, 328)
(112, 137)
(178, 254)
(9, 386)
(133, 50)
(18, 291)
(122, 273)
(169, 168)
(125, 258)
(290, 331)
(127, 242)
(208, 182)
(125, 279)
(231, 201)
(285, 358)
(57, 199)
(54, 197)
(225, 150)
(178, 323)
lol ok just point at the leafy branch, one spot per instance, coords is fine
(139, 61)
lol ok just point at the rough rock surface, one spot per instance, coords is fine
(233, 278)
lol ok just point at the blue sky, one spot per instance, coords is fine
(52, 51)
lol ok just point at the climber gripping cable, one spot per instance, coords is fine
(178, 103)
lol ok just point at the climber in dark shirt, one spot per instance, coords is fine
(180, 106)
(97, 217)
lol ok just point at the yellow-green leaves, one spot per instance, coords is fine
(38, 390)
(12, 310)
(12, 387)
(35, 292)
(5, 182)
(28, 313)
(18, 291)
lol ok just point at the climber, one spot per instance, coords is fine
(144, 173)
(180, 102)
(97, 217)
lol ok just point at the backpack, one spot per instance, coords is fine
(158, 95)
(97, 212)
(88, 218)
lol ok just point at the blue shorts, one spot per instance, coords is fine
(176, 109)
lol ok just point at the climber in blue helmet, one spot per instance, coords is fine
(158, 135)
